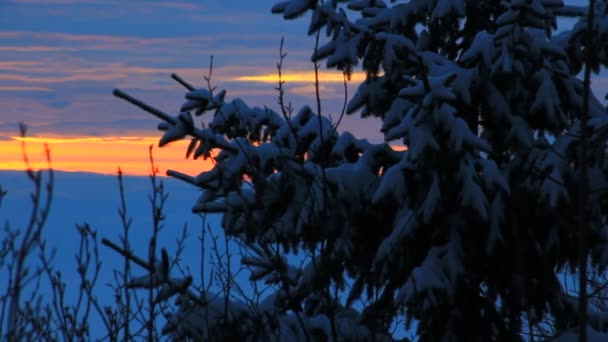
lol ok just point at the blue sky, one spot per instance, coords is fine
(92, 198)
(60, 59)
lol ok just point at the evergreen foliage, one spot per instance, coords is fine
(465, 231)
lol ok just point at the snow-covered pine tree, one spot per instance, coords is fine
(464, 231)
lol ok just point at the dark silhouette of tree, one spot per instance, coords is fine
(463, 235)
(467, 230)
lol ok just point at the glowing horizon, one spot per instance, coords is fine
(102, 155)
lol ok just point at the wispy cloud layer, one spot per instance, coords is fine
(23, 88)
(61, 82)
(180, 5)
(60, 60)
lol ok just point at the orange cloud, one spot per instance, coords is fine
(136, 62)
(53, 72)
(100, 155)
(300, 77)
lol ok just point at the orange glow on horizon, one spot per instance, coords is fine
(105, 155)
(100, 155)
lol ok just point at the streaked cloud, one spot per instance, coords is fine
(80, 140)
(325, 76)
(80, 70)
(78, 80)
(23, 88)
(310, 91)
(36, 49)
(124, 47)
(57, 58)
(60, 60)
(186, 6)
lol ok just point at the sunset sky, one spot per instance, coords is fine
(61, 59)
(59, 63)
